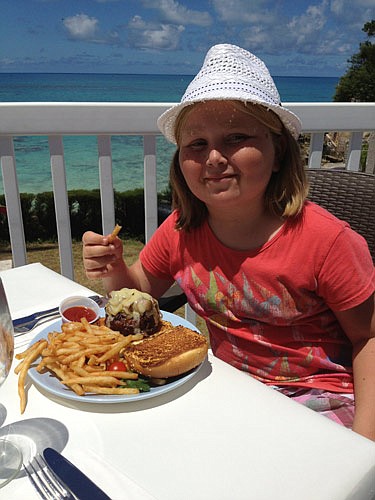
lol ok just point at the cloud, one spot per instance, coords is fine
(150, 35)
(352, 14)
(174, 12)
(305, 27)
(319, 26)
(81, 27)
(347, 7)
(7, 61)
(268, 31)
(238, 11)
(167, 26)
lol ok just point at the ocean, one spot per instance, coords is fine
(32, 154)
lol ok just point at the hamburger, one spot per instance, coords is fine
(172, 351)
(130, 311)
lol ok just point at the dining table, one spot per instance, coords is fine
(219, 435)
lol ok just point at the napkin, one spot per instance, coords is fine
(113, 481)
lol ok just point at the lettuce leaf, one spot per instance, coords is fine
(142, 384)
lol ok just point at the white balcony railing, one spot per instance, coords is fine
(104, 120)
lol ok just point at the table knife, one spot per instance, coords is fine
(80, 485)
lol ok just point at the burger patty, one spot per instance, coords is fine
(127, 326)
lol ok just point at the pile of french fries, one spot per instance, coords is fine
(78, 356)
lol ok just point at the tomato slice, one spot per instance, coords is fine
(117, 366)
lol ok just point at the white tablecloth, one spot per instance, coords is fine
(221, 436)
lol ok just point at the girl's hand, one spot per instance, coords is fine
(101, 258)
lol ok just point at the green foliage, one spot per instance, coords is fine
(358, 84)
(369, 28)
(130, 213)
(142, 384)
(39, 219)
(85, 212)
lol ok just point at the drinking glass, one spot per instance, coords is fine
(10, 455)
(6, 347)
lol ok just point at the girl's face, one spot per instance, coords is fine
(226, 155)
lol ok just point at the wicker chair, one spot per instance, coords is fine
(348, 195)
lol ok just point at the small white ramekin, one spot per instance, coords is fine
(76, 301)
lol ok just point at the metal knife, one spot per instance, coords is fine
(80, 485)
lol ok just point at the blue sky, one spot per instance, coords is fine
(293, 37)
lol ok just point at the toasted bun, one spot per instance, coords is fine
(171, 351)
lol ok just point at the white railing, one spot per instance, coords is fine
(104, 120)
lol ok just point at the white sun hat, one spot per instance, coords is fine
(231, 73)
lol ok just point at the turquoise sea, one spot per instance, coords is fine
(32, 156)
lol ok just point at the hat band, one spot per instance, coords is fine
(242, 91)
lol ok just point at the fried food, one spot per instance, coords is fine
(78, 357)
(114, 233)
(32, 354)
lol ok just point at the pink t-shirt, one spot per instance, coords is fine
(269, 311)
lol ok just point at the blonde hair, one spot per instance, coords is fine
(286, 191)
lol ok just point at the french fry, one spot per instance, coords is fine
(78, 357)
(118, 374)
(104, 380)
(81, 361)
(87, 326)
(110, 390)
(27, 354)
(114, 233)
(89, 368)
(60, 373)
(44, 362)
(25, 365)
(78, 370)
(93, 361)
(30, 349)
(114, 350)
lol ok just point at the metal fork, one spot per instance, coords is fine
(45, 481)
(30, 322)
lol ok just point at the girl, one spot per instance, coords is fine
(286, 289)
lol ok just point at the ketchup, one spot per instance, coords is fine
(76, 313)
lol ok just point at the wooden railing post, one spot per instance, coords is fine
(370, 162)
(60, 191)
(316, 150)
(106, 183)
(13, 201)
(150, 186)
(354, 153)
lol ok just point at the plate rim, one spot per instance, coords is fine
(68, 394)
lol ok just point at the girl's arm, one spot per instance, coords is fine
(359, 325)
